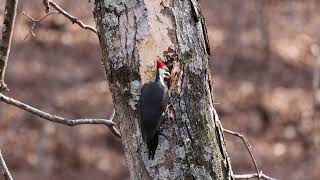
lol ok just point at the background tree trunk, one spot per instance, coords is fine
(132, 34)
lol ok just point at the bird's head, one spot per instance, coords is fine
(162, 69)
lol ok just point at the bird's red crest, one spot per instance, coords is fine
(160, 63)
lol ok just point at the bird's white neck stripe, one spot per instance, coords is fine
(162, 81)
(161, 76)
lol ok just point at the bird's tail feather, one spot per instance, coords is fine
(152, 145)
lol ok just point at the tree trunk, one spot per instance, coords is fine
(132, 34)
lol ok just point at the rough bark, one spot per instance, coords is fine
(5, 42)
(132, 34)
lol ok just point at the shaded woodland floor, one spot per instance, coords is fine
(261, 66)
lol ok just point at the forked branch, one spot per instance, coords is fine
(245, 141)
(35, 22)
(73, 19)
(258, 173)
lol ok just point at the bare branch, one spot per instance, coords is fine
(53, 118)
(258, 173)
(113, 129)
(5, 43)
(220, 135)
(35, 22)
(31, 32)
(253, 175)
(73, 19)
(4, 169)
(246, 142)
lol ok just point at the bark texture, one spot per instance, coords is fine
(5, 42)
(132, 34)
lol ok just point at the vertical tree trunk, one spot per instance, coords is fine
(132, 34)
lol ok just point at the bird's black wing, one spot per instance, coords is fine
(152, 107)
(153, 101)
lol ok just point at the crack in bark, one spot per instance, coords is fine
(126, 34)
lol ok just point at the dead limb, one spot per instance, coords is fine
(10, 12)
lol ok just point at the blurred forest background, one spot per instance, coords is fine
(262, 69)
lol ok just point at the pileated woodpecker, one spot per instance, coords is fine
(153, 101)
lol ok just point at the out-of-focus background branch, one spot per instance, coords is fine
(10, 8)
(262, 69)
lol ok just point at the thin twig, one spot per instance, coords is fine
(220, 134)
(53, 118)
(253, 175)
(73, 19)
(113, 129)
(35, 22)
(38, 20)
(4, 169)
(246, 142)
(5, 43)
